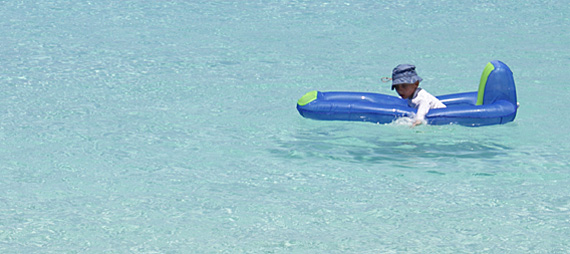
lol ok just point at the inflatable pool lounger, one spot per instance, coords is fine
(494, 103)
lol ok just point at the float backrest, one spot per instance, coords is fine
(496, 83)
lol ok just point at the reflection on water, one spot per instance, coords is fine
(334, 143)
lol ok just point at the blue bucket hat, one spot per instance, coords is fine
(404, 74)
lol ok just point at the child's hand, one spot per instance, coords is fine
(416, 123)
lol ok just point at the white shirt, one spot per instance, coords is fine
(424, 101)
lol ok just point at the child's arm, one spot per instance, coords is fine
(423, 109)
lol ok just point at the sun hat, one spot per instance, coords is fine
(404, 74)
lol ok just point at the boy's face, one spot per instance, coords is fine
(406, 90)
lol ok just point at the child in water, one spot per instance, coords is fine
(406, 81)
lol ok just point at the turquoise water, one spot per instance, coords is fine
(170, 127)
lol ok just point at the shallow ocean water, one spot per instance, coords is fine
(170, 127)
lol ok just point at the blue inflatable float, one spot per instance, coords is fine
(494, 103)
